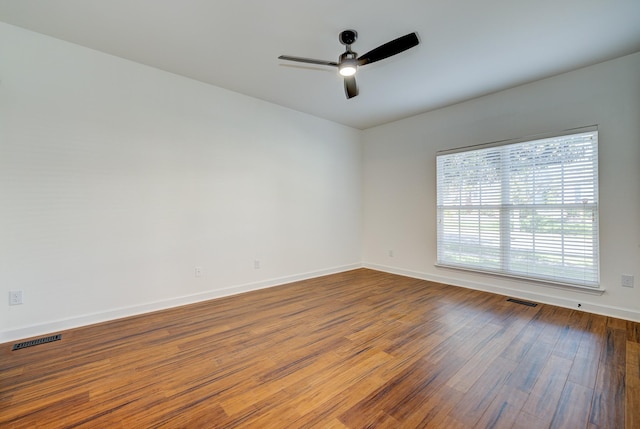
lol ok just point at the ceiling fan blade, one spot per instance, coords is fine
(308, 60)
(389, 49)
(350, 86)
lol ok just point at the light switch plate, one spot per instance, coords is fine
(15, 297)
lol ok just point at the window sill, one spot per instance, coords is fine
(546, 283)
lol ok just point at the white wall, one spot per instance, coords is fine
(117, 180)
(399, 178)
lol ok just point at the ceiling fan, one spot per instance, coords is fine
(349, 61)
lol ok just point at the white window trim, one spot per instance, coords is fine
(591, 290)
(594, 290)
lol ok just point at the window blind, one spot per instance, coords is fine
(527, 209)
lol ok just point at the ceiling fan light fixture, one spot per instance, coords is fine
(347, 68)
(348, 63)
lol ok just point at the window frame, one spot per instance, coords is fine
(505, 210)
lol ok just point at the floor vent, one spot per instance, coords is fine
(36, 342)
(518, 301)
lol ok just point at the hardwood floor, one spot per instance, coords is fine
(361, 349)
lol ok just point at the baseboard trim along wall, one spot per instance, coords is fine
(90, 319)
(604, 310)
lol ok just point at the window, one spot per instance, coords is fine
(527, 208)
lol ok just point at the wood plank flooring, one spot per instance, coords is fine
(360, 349)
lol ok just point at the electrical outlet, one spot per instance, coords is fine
(256, 264)
(15, 297)
(391, 254)
(626, 280)
(198, 271)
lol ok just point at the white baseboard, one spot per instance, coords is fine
(604, 310)
(89, 319)
(118, 313)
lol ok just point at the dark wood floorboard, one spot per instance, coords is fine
(361, 349)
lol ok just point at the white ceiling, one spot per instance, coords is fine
(468, 48)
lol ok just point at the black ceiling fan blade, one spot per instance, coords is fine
(389, 49)
(308, 60)
(350, 86)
